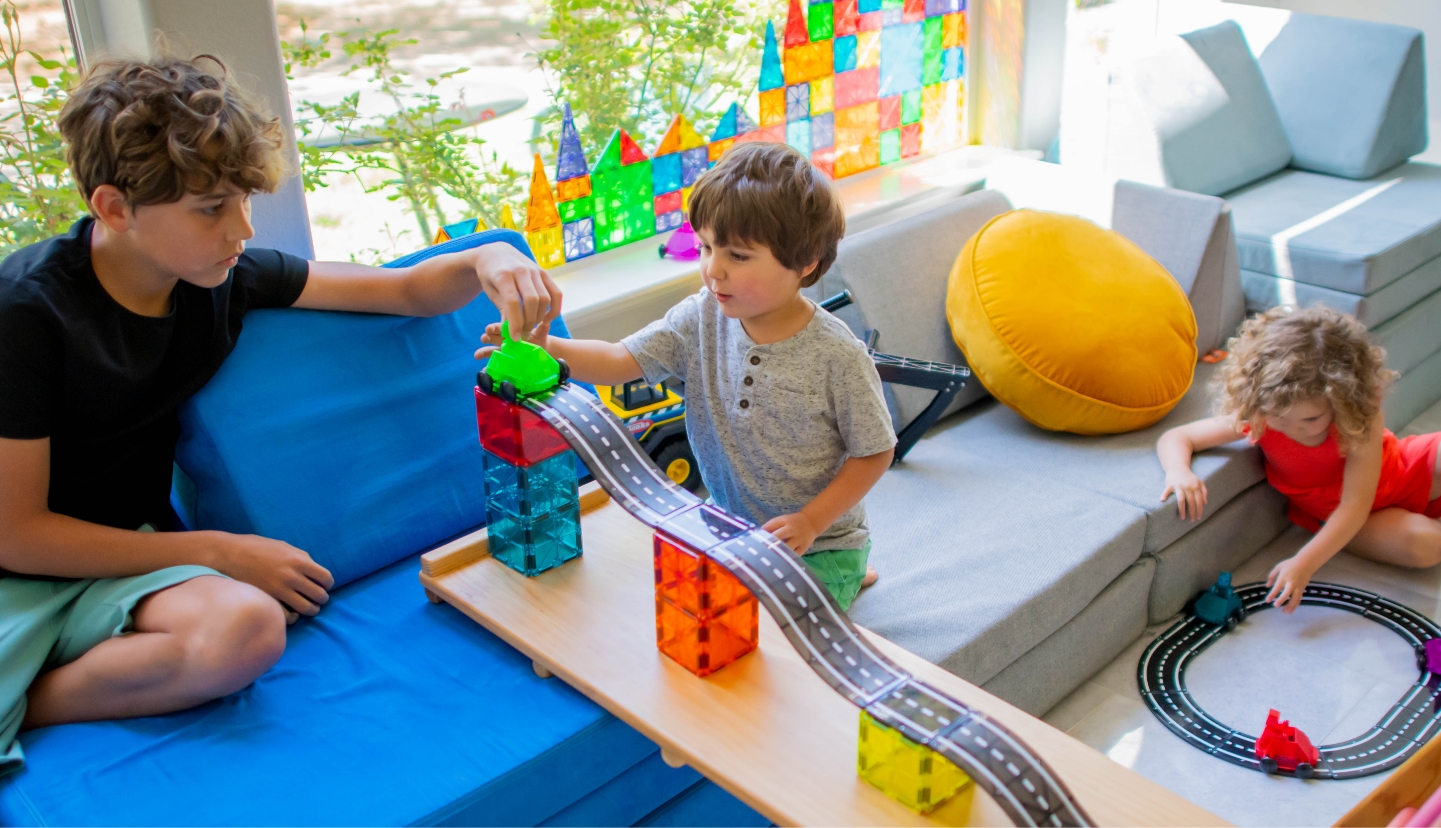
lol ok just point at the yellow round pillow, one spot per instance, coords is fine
(1071, 325)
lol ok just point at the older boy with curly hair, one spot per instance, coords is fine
(783, 405)
(104, 332)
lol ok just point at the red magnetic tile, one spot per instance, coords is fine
(514, 433)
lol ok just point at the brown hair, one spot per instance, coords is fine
(158, 129)
(763, 193)
(1285, 356)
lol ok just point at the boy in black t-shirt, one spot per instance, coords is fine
(104, 332)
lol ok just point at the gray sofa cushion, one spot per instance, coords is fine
(1214, 120)
(1417, 390)
(1351, 93)
(1036, 681)
(898, 273)
(1191, 236)
(1226, 539)
(980, 563)
(1352, 236)
(1412, 336)
(1264, 291)
(1120, 466)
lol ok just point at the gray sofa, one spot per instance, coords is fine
(1310, 146)
(1025, 560)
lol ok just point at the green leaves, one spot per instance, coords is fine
(634, 64)
(38, 197)
(418, 152)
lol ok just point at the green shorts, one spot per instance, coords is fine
(841, 570)
(48, 624)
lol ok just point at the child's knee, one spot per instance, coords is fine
(242, 637)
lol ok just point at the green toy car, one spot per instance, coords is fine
(1220, 605)
(520, 369)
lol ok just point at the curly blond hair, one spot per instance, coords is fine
(1286, 356)
(157, 129)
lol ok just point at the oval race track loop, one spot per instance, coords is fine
(1409, 724)
(1020, 782)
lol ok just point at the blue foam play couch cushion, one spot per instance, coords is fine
(351, 436)
(354, 437)
(1351, 93)
(385, 710)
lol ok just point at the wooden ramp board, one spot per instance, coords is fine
(766, 728)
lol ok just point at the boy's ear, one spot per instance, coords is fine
(110, 208)
(810, 268)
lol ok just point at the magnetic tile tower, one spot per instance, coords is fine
(532, 505)
(573, 193)
(854, 84)
(705, 618)
(679, 160)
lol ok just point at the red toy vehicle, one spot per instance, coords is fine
(1283, 747)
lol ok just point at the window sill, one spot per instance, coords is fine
(614, 294)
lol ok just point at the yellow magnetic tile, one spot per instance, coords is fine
(868, 49)
(773, 107)
(822, 95)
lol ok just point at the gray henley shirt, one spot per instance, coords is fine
(770, 425)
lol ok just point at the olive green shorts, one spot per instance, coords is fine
(46, 624)
(841, 570)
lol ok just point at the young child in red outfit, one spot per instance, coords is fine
(1306, 386)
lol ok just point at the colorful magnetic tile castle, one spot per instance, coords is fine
(856, 84)
(532, 505)
(910, 773)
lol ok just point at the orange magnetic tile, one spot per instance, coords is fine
(951, 28)
(773, 106)
(573, 188)
(868, 49)
(822, 95)
(808, 62)
(913, 11)
(715, 149)
(541, 212)
(679, 137)
(704, 646)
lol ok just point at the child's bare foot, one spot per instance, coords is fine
(871, 576)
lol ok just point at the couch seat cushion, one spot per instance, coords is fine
(384, 710)
(1119, 466)
(1264, 291)
(980, 563)
(1352, 236)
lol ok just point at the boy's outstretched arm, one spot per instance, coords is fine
(36, 541)
(521, 289)
(1175, 449)
(1288, 578)
(856, 477)
(591, 360)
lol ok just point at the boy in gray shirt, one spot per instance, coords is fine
(783, 406)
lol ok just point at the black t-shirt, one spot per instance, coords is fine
(105, 384)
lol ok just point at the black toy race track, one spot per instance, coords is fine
(999, 762)
(1401, 732)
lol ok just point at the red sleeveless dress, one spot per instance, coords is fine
(1311, 476)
